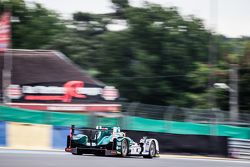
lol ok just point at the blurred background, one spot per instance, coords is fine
(173, 67)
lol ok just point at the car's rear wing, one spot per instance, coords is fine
(70, 142)
(97, 128)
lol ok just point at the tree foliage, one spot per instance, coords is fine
(36, 27)
(160, 58)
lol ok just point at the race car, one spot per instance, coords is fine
(109, 142)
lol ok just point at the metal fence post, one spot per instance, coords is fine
(122, 121)
(213, 122)
(168, 116)
(132, 107)
(131, 112)
(93, 120)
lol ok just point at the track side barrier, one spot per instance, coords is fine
(184, 143)
(239, 148)
(2, 133)
(125, 122)
(28, 136)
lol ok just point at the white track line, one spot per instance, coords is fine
(200, 158)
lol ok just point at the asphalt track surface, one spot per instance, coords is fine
(19, 158)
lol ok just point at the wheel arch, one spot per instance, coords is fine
(119, 139)
(156, 145)
(147, 143)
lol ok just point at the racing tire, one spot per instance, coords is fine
(99, 154)
(152, 151)
(76, 152)
(124, 148)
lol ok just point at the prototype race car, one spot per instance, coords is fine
(109, 141)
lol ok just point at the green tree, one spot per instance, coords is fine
(244, 72)
(160, 58)
(37, 26)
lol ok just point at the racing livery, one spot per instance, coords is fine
(109, 141)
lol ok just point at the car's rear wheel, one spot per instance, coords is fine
(124, 148)
(76, 151)
(152, 150)
(99, 154)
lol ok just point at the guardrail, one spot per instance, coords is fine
(239, 148)
(174, 113)
(127, 122)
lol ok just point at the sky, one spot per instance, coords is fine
(228, 17)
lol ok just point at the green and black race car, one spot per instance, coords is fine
(109, 141)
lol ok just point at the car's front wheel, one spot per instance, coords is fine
(124, 148)
(152, 150)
